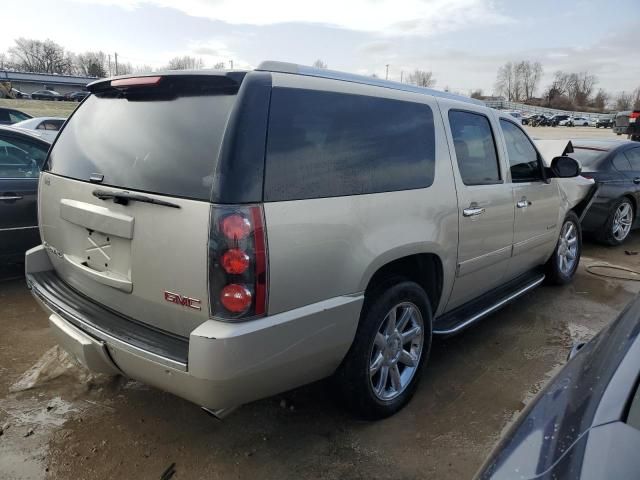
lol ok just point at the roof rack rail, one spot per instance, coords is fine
(295, 69)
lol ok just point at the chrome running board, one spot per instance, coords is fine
(487, 310)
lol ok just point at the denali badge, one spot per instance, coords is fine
(184, 301)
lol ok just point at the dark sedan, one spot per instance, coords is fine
(47, 95)
(615, 167)
(76, 96)
(9, 116)
(22, 155)
(586, 423)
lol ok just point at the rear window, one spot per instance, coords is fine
(588, 158)
(326, 144)
(166, 143)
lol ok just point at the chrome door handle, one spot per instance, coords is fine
(472, 211)
(524, 203)
(11, 197)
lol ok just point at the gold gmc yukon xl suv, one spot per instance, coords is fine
(228, 235)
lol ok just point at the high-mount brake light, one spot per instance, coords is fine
(237, 262)
(136, 82)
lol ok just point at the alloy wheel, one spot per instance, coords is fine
(396, 351)
(568, 248)
(622, 220)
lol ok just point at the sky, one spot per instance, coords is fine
(463, 42)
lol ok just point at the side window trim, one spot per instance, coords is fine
(499, 164)
(541, 166)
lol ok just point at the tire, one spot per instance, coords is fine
(597, 126)
(612, 236)
(564, 261)
(368, 396)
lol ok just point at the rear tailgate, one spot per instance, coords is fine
(124, 206)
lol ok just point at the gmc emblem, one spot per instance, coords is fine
(184, 301)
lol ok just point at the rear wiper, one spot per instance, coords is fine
(123, 198)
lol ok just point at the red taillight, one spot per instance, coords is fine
(235, 298)
(235, 226)
(633, 117)
(237, 263)
(136, 82)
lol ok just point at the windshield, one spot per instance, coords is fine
(165, 144)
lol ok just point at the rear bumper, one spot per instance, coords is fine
(220, 365)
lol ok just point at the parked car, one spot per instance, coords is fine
(575, 122)
(585, 424)
(593, 122)
(555, 120)
(615, 166)
(517, 116)
(47, 95)
(340, 227)
(604, 122)
(47, 127)
(628, 123)
(19, 94)
(76, 96)
(21, 157)
(538, 120)
(9, 116)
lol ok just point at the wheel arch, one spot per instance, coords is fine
(426, 269)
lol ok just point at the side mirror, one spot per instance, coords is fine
(565, 167)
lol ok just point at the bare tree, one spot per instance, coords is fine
(600, 100)
(219, 66)
(142, 69)
(476, 94)
(506, 81)
(40, 57)
(320, 64)
(421, 78)
(580, 87)
(91, 64)
(4, 61)
(528, 78)
(185, 63)
(635, 99)
(623, 101)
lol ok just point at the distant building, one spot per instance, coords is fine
(30, 82)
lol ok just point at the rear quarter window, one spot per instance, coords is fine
(326, 144)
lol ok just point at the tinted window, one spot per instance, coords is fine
(165, 144)
(20, 159)
(621, 163)
(18, 117)
(523, 157)
(323, 144)
(634, 158)
(475, 148)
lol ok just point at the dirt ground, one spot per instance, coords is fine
(474, 386)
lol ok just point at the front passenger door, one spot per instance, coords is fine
(537, 202)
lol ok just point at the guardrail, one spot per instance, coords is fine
(507, 105)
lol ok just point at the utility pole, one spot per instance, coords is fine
(116, 57)
(386, 77)
(401, 75)
(231, 64)
(110, 66)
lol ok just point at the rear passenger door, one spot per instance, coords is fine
(537, 201)
(485, 203)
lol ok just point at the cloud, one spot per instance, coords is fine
(416, 17)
